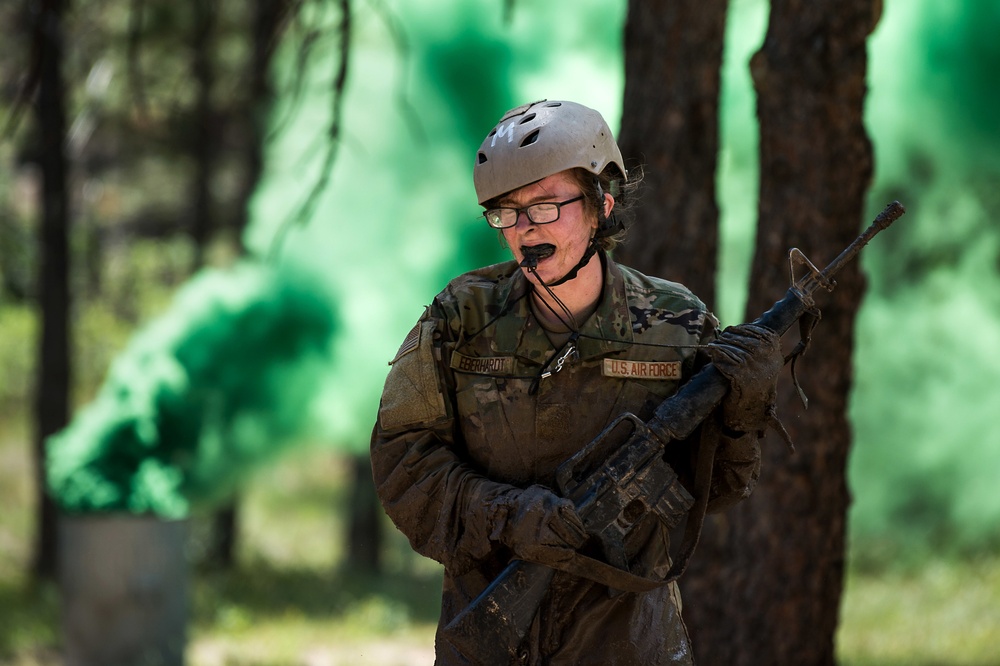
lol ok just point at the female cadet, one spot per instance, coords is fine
(515, 367)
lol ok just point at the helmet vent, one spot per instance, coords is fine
(527, 119)
(554, 104)
(482, 157)
(530, 139)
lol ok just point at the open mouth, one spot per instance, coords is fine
(534, 253)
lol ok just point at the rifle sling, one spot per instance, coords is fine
(618, 579)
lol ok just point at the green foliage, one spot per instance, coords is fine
(239, 602)
(17, 352)
(28, 619)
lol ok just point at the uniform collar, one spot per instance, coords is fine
(609, 329)
(606, 331)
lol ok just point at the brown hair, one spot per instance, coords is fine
(624, 191)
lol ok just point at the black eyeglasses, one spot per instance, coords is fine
(539, 213)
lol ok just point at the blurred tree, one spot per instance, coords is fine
(221, 549)
(202, 138)
(670, 120)
(364, 531)
(262, 32)
(52, 388)
(767, 587)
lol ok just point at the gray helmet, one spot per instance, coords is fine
(539, 139)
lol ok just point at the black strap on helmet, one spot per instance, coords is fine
(606, 226)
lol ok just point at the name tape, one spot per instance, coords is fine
(665, 370)
(482, 365)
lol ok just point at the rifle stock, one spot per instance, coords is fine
(498, 619)
(489, 630)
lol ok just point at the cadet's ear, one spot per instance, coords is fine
(609, 204)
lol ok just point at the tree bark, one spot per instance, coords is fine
(768, 589)
(52, 392)
(265, 26)
(670, 125)
(364, 533)
(266, 23)
(203, 138)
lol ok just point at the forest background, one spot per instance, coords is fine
(396, 220)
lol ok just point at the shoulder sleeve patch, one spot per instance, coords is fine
(412, 394)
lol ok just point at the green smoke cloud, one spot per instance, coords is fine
(221, 382)
(248, 360)
(400, 216)
(927, 371)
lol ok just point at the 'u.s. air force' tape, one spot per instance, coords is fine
(626, 369)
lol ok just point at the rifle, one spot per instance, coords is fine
(621, 476)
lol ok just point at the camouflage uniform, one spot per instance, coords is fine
(459, 425)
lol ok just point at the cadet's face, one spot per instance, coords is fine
(569, 235)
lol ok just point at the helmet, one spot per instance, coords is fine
(539, 139)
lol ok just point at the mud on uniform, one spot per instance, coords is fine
(458, 427)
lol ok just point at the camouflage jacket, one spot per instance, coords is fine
(465, 417)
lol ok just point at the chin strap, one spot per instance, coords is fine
(531, 262)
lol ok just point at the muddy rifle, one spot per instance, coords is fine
(620, 476)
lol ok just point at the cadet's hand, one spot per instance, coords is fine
(538, 525)
(750, 358)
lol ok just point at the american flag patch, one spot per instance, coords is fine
(410, 343)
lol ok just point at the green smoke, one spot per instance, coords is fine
(928, 375)
(400, 216)
(248, 361)
(222, 381)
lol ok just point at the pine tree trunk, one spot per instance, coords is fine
(52, 392)
(673, 60)
(364, 534)
(203, 137)
(777, 561)
(264, 28)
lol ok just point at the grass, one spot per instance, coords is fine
(263, 615)
(290, 603)
(946, 613)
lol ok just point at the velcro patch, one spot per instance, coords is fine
(412, 395)
(626, 369)
(482, 365)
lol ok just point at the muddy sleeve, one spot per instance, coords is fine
(427, 488)
(737, 468)
(737, 457)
